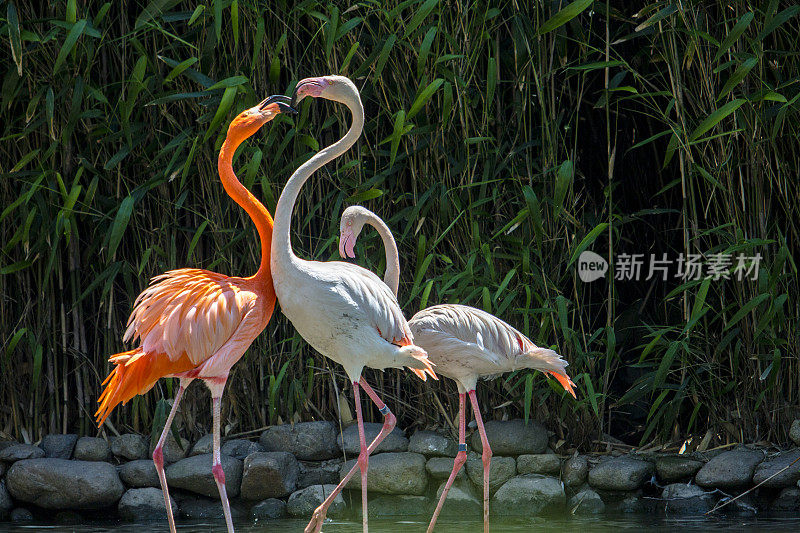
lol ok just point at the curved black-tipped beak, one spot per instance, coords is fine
(284, 103)
(297, 87)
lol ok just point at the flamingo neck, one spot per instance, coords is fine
(255, 209)
(282, 253)
(392, 275)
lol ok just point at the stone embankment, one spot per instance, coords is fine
(292, 468)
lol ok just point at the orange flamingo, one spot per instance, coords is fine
(195, 324)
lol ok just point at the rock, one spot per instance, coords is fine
(575, 471)
(461, 500)
(303, 502)
(587, 502)
(391, 473)
(394, 506)
(269, 509)
(512, 437)
(173, 450)
(18, 452)
(349, 440)
(794, 432)
(787, 500)
(269, 475)
(240, 448)
(139, 473)
(620, 474)
(676, 467)
(92, 449)
(51, 483)
(204, 444)
(432, 444)
(200, 508)
(527, 495)
(21, 514)
(628, 503)
(58, 446)
(308, 441)
(680, 498)
(773, 465)
(729, 469)
(441, 467)
(318, 473)
(5, 501)
(129, 446)
(194, 474)
(540, 463)
(138, 505)
(2, 469)
(501, 470)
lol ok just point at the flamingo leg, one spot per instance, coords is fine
(487, 458)
(219, 473)
(158, 453)
(389, 422)
(363, 456)
(458, 462)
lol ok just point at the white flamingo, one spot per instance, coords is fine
(342, 310)
(463, 342)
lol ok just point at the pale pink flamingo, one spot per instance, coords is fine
(343, 311)
(195, 324)
(463, 342)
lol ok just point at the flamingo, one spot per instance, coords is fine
(195, 324)
(463, 343)
(343, 311)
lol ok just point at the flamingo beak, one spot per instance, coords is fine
(278, 103)
(307, 87)
(347, 243)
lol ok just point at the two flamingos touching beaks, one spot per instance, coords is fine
(196, 324)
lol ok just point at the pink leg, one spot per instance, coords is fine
(158, 453)
(461, 457)
(487, 458)
(219, 473)
(363, 456)
(389, 421)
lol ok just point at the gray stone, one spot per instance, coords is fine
(173, 450)
(139, 473)
(240, 448)
(677, 467)
(394, 506)
(92, 449)
(587, 502)
(204, 444)
(441, 467)
(349, 439)
(787, 500)
(575, 471)
(620, 474)
(269, 475)
(6, 443)
(269, 509)
(318, 473)
(628, 503)
(5, 501)
(391, 473)
(794, 432)
(432, 444)
(129, 446)
(20, 514)
(18, 452)
(681, 498)
(461, 500)
(540, 463)
(501, 470)
(58, 446)
(194, 474)
(303, 502)
(512, 437)
(729, 469)
(138, 505)
(3, 468)
(308, 441)
(51, 483)
(200, 508)
(529, 494)
(769, 468)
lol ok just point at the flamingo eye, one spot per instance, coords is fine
(349, 222)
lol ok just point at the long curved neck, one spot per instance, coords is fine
(392, 275)
(281, 245)
(255, 209)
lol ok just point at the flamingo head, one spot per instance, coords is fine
(338, 88)
(250, 120)
(350, 227)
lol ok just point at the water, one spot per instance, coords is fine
(539, 524)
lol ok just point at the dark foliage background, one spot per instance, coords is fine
(502, 139)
